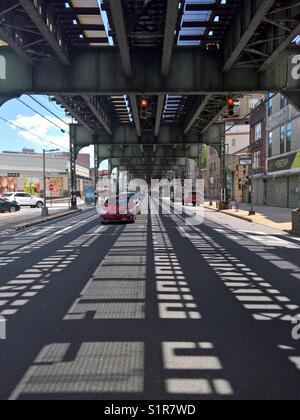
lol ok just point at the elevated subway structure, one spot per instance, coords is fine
(186, 57)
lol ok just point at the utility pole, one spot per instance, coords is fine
(252, 211)
(45, 212)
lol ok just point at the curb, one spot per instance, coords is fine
(45, 220)
(246, 219)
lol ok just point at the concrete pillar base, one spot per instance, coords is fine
(45, 212)
(223, 206)
(296, 222)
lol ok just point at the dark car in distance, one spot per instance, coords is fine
(7, 206)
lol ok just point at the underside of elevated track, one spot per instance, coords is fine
(99, 59)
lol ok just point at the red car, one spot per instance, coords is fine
(194, 199)
(118, 209)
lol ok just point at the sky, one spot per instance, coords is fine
(41, 133)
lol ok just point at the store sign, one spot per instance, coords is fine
(13, 175)
(289, 162)
(246, 161)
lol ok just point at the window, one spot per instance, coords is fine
(283, 101)
(233, 142)
(270, 104)
(289, 137)
(270, 145)
(258, 132)
(282, 139)
(257, 160)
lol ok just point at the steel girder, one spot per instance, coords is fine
(260, 31)
(202, 72)
(125, 135)
(144, 163)
(135, 152)
(245, 24)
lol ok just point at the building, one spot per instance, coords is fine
(24, 172)
(212, 173)
(237, 141)
(238, 176)
(283, 153)
(258, 135)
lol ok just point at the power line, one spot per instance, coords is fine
(47, 109)
(30, 132)
(41, 115)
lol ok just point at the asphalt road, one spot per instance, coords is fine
(154, 310)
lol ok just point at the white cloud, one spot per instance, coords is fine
(50, 136)
(42, 132)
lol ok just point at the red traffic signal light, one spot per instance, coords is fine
(230, 105)
(144, 104)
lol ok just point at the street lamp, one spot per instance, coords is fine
(45, 211)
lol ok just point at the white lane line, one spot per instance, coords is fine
(273, 241)
(183, 233)
(100, 229)
(74, 226)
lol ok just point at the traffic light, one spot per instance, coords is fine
(144, 106)
(230, 106)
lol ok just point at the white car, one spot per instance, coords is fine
(24, 199)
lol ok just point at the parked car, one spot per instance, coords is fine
(118, 209)
(24, 199)
(7, 206)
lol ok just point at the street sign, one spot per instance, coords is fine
(245, 161)
(13, 175)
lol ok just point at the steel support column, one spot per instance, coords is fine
(96, 165)
(73, 169)
(224, 192)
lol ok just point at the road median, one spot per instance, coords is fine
(41, 220)
(46, 219)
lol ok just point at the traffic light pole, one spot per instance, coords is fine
(252, 211)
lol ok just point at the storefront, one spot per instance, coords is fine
(28, 174)
(283, 180)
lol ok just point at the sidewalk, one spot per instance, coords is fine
(274, 217)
